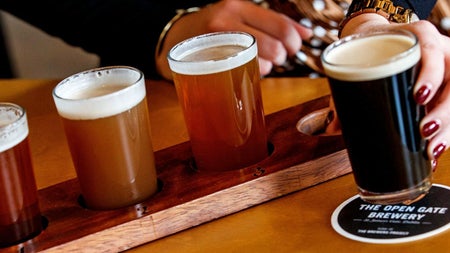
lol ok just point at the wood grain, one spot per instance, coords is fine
(187, 197)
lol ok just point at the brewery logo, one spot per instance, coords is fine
(361, 221)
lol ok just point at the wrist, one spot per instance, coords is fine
(162, 37)
(164, 42)
(362, 23)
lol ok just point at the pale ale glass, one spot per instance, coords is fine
(105, 117)
(218, 85)
(372, 76)
(20, 217)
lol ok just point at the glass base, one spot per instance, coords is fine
(405, 197)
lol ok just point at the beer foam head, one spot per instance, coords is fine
(371, 56)
(188, 57)
(99, 93)
(13, 125)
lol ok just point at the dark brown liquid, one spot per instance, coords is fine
(20, 218)
(380, 125)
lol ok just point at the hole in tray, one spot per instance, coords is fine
(81, 202)
(270, 148)
(316, 122)
(44, 221)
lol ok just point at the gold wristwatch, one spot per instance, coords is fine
(385, 8)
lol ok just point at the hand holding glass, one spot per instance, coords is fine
(372, 76)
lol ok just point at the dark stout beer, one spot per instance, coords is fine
(372, 81)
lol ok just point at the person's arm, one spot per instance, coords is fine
(121, 32)
(277, 35)
(126, 32)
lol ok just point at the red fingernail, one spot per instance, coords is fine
(434, 164)
(422, 94)
(430, 128)
(438, 150)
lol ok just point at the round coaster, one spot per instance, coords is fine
(372, 223)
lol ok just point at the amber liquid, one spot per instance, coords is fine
(20, 218)
(114, 158)
(224, 116)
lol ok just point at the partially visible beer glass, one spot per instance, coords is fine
(218, 84)
(372, 76)
(105, 117)
(20, 217)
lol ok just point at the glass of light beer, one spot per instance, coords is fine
(20, 217)
(105, 118)
(218, 85)
(371, 76)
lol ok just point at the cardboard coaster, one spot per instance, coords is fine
(383, 224)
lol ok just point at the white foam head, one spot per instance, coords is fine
(99, 93)
(371, 56)
(202, 67)
(13, 125)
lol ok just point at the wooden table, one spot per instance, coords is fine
(298, 222)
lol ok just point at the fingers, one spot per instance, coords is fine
(433, 87)
(435, 126)
(269, 48)
(265, 66)
(432, 63)
(279, 27)
(277, 35)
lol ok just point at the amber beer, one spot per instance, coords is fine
(20, 217)
(372, 77)
(105, 117)
(217, 81)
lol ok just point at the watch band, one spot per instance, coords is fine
(385, 8)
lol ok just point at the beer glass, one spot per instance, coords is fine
(371, 76)
(217, 81)
(20, 217)
(105, 118)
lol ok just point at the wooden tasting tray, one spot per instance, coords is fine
(188, 198)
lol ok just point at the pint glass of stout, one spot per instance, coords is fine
(371, 78)
(20, 218)
(105, 117)
(217, 81)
